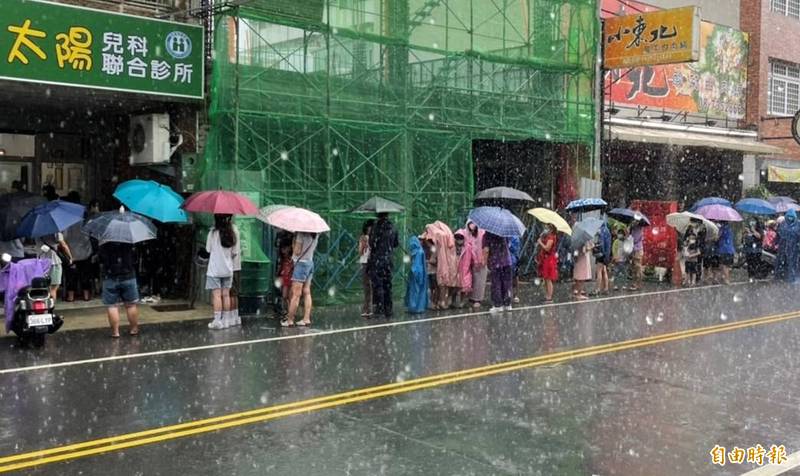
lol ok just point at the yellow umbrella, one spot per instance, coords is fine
(549, 216)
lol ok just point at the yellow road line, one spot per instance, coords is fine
(156, 435)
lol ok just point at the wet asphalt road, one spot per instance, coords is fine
(655, 410)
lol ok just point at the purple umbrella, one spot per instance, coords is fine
(784, 204)
(719, 213)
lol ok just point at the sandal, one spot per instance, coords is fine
(287, 323)
(134, 333)
(302, 324)
(115, 336)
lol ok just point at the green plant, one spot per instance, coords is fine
(759, 191)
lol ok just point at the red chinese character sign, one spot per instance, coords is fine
(51, 43)
(716, 84)
(650, 38)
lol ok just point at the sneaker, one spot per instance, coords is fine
(495, 310)
(227, 321)
(507, 308)
(216, 324)
(237, 320)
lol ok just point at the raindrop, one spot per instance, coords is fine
(741, 177)
(537, 281)
(332, 291)
(431, 117)
(649, 320)
(335, 151)
(284, 155)
(548, 136)
(406, 259)
(48, 92)
(655, 231)
(552, 15)
(723, 317)
(432, 21)
(278, 283)
(737, 298)
(660, 317)
(436, 45)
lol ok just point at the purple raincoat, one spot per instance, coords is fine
(16, 276)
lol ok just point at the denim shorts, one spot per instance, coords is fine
(219, 283)
(116, 290)
(303, 270)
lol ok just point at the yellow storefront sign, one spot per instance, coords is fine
(782, 174)
(644, 39)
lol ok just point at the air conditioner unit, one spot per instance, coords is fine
(149, 139)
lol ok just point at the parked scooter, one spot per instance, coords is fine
(33, 309)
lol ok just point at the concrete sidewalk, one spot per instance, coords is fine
(92, 314)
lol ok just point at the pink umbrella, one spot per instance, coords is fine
(220, 201)
(719, 213)
(296, 219)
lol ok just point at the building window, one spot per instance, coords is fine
(784, 88)
(790, 8)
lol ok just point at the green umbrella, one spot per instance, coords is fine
(379, 205)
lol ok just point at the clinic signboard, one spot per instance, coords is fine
(50, 43)
(651, 38)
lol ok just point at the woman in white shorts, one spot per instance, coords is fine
(223, 248)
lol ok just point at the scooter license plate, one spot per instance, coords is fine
(35, 320)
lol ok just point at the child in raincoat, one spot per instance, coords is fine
(417, 288)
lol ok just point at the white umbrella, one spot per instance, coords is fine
(681, 221)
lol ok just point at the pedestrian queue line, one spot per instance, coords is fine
(321, 333)
(259, 415)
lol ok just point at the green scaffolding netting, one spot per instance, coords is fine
(325, 103)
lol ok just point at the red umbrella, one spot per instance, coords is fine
(220, 201)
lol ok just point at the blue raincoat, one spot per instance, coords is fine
(417, 289)
(787, 265)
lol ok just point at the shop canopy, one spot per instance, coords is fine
(689, 138)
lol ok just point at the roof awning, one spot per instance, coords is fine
(695, 139)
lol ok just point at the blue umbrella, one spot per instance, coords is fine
(50, 218)
(626, 215)
(120, 227)
(497, 221)
(584, 231)
(152, 199)
(710, 201)
(756, 206)
(586, 205)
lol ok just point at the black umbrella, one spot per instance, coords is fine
(626, 215)
(503, 193)
(378, 205)
(13, 206)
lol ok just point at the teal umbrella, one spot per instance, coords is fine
(153, 200)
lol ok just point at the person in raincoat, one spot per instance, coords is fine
(417, 287)
(499, 263)
(515, 248)
(382, 243)
(464, 275)
(788, 261)
(446, 262)
(725, 252)
(473, 241)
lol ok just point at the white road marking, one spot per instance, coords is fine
(317, 333)
(792, 461)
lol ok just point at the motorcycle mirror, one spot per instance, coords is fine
(45, 249)
(6, 258)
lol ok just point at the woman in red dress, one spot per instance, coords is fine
(548, 260)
